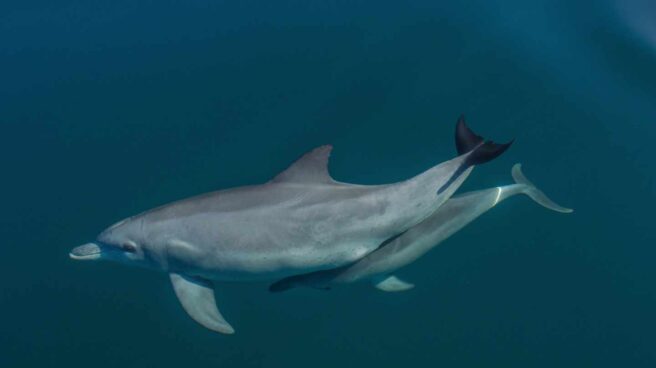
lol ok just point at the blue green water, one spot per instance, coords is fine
(111, 108)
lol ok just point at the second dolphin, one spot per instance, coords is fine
(378, 266)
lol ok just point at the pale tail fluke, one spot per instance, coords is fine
(536, 194)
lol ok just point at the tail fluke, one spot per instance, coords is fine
(536, 194)
(479, 150)
(466, 139)
(483, 150)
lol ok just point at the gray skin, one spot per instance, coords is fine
(455, 214)
(299, 222)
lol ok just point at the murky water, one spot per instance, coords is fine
(111, 108)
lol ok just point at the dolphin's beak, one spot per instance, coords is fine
(86, 252)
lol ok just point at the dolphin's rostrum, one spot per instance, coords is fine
(301, 221)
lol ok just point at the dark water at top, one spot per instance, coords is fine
(111, 108)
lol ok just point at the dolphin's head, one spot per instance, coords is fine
(121, 242)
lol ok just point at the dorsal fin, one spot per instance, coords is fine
(312, 167)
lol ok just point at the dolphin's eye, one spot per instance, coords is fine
(127, 247)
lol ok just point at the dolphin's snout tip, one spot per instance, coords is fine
(86, 252)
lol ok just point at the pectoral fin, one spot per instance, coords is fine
(197, 298)
(392, 284)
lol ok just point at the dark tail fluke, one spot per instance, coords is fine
(480, 150)
(484, 151)
(466, 139)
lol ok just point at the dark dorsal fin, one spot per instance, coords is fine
(312, 167)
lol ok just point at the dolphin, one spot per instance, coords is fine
(300, 221)
(378, 266)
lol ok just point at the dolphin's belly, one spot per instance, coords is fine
(260, 252)
(260, 245)
(260, 267)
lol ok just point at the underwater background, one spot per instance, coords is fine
(111, 108)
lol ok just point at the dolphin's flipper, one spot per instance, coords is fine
(536, 194)
(197, 298)
(392, 284)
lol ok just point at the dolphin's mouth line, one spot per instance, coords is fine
(86, 257)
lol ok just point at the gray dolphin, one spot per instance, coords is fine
(299, 222)
(456, 213)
